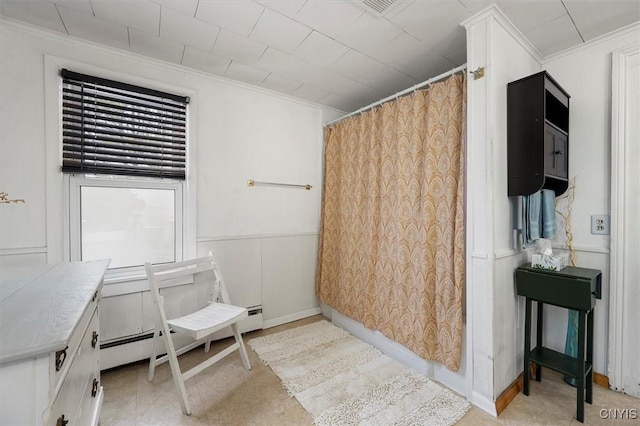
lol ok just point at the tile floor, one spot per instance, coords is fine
(227, 394)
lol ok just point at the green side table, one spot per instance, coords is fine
(571, 288)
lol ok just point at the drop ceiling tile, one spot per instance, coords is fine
(329, 17)
(79, 5)
(338, 102)
(239, 48)
(320, 49)
(368, 32)
(426, 66)
(237, 16)
(182, 29)
(354, 64)
(423, 19)
(322, 77)
(310, 93)
(388, 80)
(141, 15)
(527, 15)
(88, 27)
(285, 7)
(280, 84)
(246, 73)
(204, 61)
(40, 14)
(279, 31)
(554, 36)
(279, 62)
(451, 39)
(596, 18)
(155, 47)
(186, 7)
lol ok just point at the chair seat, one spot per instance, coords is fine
(207, 320)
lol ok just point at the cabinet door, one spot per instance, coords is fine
(555, 152)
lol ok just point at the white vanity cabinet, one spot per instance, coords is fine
(49, 344)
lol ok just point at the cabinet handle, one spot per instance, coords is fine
(94, 389)
(62, 421)
(94, 339)
(95, 296)
(558, 152)
(60, 357)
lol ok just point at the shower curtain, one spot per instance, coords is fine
(391, 251)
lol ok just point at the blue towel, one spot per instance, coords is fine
(538, 216)
(531, 217)
(548, 213)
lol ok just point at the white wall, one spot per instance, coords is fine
(497, 312)
(264, 236)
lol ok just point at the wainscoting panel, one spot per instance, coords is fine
(288, 278)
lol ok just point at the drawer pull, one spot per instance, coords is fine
(95, 296)
(60, 357)
(94, 339)
(94, 389)
(62, 421)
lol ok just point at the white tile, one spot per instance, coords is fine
(182, 29)
(79, 5)
(204, 61)
(310, 93)
(141, 15)
(423, 20)
(36, 13)
(239, 48)
(320, 49)
(279, 62)
(451, 39)
(529, 15)
(155, 47)
(280, 84)
(233, 15)
(246, 73)
(354, 64)
(368, 32)
(596, 18)
(426, 66)
(329, 17)
(186, 7)
(554, 36)
(286, 7)
(88, 27)
(279, 31)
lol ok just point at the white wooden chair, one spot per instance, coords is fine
(199, 325)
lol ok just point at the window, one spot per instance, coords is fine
(124, 151)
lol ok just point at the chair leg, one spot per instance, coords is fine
(176, 373)
(154, 354)
(243, 351)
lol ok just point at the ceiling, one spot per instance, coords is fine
(338, 53)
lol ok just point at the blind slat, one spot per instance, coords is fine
(117, 128)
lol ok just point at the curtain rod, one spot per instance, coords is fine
(403, 92)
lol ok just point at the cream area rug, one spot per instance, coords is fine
(341, 380)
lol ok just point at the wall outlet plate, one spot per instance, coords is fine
(600, 224)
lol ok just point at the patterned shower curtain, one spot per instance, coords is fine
(391, 252)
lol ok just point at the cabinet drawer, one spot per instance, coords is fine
(60, 362)
(75, 394)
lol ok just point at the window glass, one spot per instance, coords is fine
(130, 226)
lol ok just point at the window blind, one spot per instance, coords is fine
(110, 127)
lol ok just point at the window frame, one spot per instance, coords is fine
(75, 184)
(57, 240)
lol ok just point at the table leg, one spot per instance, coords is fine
(539, 338)
(589, 379)
(527, 346)
(580, 360)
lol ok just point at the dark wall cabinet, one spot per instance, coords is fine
(537, 135)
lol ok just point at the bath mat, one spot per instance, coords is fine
(341, 380)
